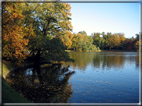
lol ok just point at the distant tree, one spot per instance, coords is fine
(108, 39)
(137, 45)
(117, 40)
(82, 33)
(103, 43)
(130, 45)
(137, 41)
(122, 40)
(67, 39)
(82, 42)
(74, 45)
(96, 37)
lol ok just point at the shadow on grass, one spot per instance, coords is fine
(11, 96)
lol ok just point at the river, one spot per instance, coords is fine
(100, 77)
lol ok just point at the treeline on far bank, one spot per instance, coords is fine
(100, 41)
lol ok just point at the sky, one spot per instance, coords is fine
(106, 17)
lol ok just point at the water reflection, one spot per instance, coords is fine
(105, 77)
(49, 86)
(108, 61)
(103, 59)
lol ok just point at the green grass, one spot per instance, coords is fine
(9, 95)
(5, 69)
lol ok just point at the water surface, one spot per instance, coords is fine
(105, 77)
(100, 77)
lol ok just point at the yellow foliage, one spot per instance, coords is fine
(137, 45)
(13, 32)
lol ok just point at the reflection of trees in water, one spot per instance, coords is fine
(108, 61)
(103, 59)
(116, 60)
(82, 59)
(137, 62)
(51, 86)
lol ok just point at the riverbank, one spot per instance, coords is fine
(119, 51)
(80, 51)
(107, 51)
(9, 95)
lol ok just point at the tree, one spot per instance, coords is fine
(137, 41)
(50, 21)
(67, 39)
(117, 40)
(82, 42)
(96, 37)
(137, 45)
(82, 33)
(107, 38)
(74, 45)
(15, 35)
(103, 42)
(122, 40)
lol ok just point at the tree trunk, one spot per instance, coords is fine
(37, 62)
(45, 30)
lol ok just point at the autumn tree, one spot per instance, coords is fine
(80, 41)
(74, 45)
(50, 21)
(137, 45)
(67, 39)
(122, 40)
(116, 41)
(15, 35)
(137, 42)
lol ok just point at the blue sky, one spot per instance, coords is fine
(107, 17)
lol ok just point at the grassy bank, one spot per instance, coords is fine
(9, 95)
(6, 67)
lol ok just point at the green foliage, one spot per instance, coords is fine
(115, 41)
(48, 18)
(74, 42)
(96, 37)
(57, 51)
(82, 42)
(107, 41)
(82, 32)
(51, 49)
(49, 21)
